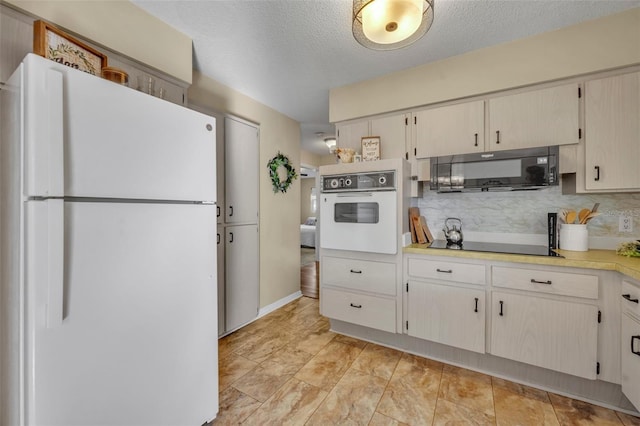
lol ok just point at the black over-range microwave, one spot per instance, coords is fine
(518, 169)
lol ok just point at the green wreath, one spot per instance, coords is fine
(274, 164)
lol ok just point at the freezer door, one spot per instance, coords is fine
(89, 137)
(136, 340)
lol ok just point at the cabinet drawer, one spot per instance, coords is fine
(541, 281)
(355, 274)
(630, 298)
(446, 271)
(361, 309)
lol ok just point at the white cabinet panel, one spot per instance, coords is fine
(540, 117)
(241, 172)
(446, 271)
(557, 335)
(543, 281)
(446, 314)
(241, 275)
(450, 130)
(612, 133)
(631, 359)
(356, 274)
(350, 135)
(392, 131)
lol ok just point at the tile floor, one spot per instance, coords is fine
(287, 368)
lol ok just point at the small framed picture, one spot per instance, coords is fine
(371, 148)
(53, 43)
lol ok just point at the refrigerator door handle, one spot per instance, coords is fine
(55, 136)
(55, 262)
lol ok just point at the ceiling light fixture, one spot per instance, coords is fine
(331, 143)
(391, 24)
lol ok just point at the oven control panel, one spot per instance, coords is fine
(370, 181)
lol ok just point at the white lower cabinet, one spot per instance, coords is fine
(362, 309)
(630, 344)
(447, 314)
(242, 290)
(558, 335)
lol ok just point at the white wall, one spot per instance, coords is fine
(305, 198)
(606, 43)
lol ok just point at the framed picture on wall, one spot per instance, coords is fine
(371, 148)
(53, 43)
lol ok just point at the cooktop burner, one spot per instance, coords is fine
(496, 248)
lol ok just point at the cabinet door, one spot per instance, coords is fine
(557, 335)
(242, 289)
(241, 171)
(538, 118)
(612, 132)
(221, 282)
(350, 135)
(631, 359)
(446, 314)
(393, 135)
(450, 130)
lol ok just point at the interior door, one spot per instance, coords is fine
(136, 342)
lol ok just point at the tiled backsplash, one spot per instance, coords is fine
(525, 212)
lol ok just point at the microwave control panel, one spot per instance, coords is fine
(370, 181)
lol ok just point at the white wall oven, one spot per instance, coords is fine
(359, 212)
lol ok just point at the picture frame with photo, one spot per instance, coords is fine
(371, 148)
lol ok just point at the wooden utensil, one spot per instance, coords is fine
(425, 229)
(571, 216)
(595, 207)
(562, 215)
(582, 215)
(591, 216)
(413, 212)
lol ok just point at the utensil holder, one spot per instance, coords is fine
(574, 237)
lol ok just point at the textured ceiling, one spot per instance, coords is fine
(287, 54)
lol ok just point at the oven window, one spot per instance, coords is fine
(356, 213)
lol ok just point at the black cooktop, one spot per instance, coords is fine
(531, 250)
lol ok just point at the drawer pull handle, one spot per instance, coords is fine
(476, 309)
(628, 297)
(355, 306)
(353, 271)
(533, 281)
(501, 305)
(444, 271)
(632, 339)
(597, 178)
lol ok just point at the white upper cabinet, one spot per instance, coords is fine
(350, 135)
(540, 117)
(392, 131)
(612, 133)
(450, 130)
(241, 172)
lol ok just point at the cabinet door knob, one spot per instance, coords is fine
(218, 211)
(476, 309)
(501, 312)
(218, 238)
(230, 211)
(354, 271)
(629, 298)
(355, 306)
(497, 136)
(597, 178)
(231, 235)
(533, 281)
(444, 271)
(476, 136)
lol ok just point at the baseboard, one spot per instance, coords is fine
(279, 303)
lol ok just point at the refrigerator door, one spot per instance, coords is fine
(124, 331)
(89, 137)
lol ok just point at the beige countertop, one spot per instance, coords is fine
(592, 259)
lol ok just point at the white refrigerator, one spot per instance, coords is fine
(108, 272)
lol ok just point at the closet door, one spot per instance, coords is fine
(241, 148)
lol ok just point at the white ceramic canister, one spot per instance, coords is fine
(574, 237)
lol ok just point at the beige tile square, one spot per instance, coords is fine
(291, 356)
(411, 394)
(326, 368)
(467, 388)
(448, 413)
(382, 420)
(262, 345)
(352, 401)
(377, 360)
(574, 412)
(292, 404)
(350, 341)
(264, 380)
(315, 338)
(232, 368)
(235, 407)
(521, 405)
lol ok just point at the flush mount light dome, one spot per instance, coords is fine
(391, 24)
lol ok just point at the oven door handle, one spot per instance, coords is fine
(354, 194)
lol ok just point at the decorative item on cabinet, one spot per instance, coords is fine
(52, 43)
(371, 148)
(116, 75)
